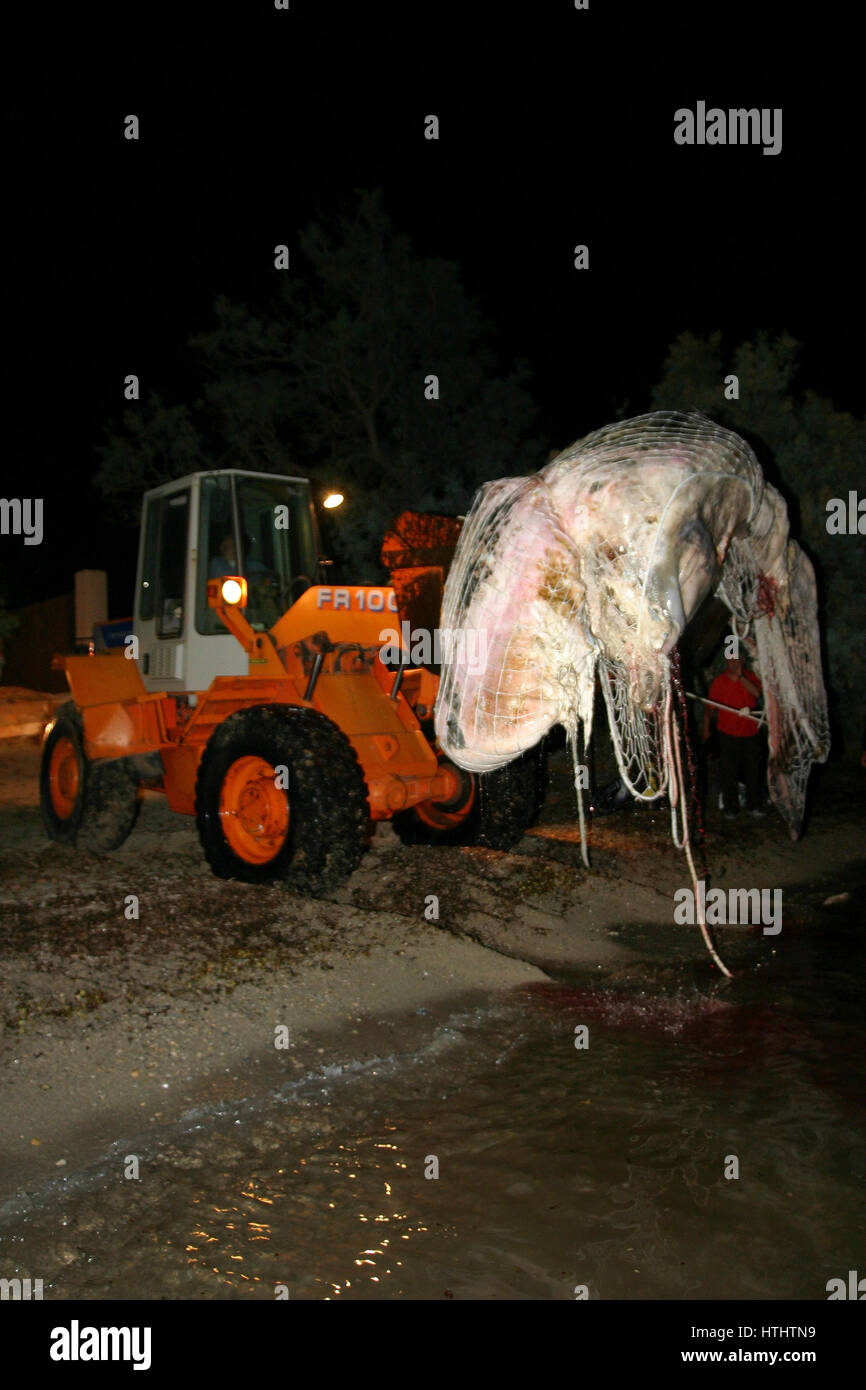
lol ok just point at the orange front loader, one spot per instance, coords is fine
(302, 737)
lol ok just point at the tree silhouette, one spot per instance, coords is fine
(327, 380)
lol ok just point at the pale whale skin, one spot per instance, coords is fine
(608, 551)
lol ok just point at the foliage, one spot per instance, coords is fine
(327, 380)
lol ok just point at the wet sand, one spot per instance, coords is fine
(117, 1028)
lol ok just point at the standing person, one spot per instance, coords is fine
(739, 744)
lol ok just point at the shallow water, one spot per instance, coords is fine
(557, 1167)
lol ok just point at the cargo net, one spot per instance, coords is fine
(638, 736)
(591, 569)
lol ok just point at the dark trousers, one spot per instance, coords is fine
(740, 761)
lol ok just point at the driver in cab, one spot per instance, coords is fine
(262, 609)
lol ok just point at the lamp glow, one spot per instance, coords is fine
(333, 499)
(232, 591)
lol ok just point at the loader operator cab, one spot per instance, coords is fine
(257, 525)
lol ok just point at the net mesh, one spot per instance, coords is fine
(591, 568)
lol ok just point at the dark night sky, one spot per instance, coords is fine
(556, 128)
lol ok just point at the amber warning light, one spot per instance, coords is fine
(232, 591)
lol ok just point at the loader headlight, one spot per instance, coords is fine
(234, 591)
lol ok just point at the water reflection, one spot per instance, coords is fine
(610, 1167)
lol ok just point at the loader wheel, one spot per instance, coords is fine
(93, 805)
(306, 826)
(494, 809)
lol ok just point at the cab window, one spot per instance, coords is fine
(171, 566)
(216, 547)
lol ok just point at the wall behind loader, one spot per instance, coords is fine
(44, 628)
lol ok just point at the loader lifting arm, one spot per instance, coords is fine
(228, 598)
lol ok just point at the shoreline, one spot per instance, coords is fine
(115, 1026)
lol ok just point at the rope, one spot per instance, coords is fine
(758, 718)
(680, 785)
(575, 756)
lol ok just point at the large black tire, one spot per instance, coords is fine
(103, 805)
(326, 799)
(506, 803)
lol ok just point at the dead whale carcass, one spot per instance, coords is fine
(593, 566)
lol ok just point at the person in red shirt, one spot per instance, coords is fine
(739, 745)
